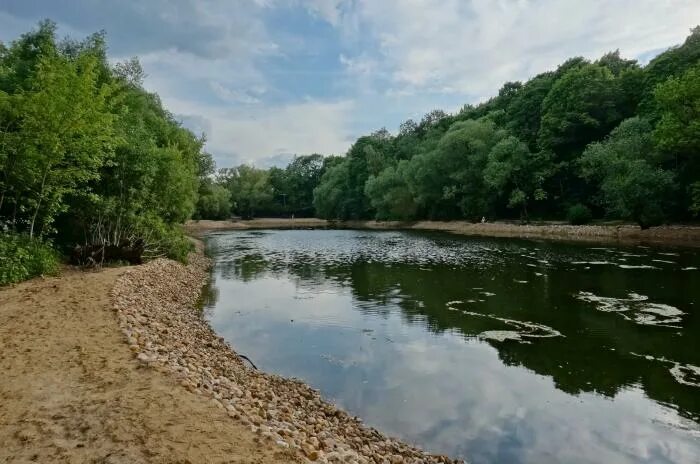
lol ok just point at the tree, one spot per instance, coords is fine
(447, 182)
(250, 189)
(672, 63)
(214, 202)
(512, 171)
(66, 133)
(678, 131)
(626, 166)
(301, 176)
(524, 108)
(332, 197)
(582, 107)
(390, 195)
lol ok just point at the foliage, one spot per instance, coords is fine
(515, 173)
(539, 147)
(22, 258)
(626, 165)
(214, 202)
(330, 197)
(250, 189)
(163, 240)
(390, 195)
(579, 214)
(87, 155)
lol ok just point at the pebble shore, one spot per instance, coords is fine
(156, 308)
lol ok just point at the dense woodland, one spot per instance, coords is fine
(88, 158)
(92, 165)
(609, 139)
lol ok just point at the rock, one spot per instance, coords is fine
(155, 308)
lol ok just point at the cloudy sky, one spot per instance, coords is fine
(265, 79)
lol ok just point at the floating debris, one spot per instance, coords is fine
(685, 374)
(636, 308)
(596, 263)
(525, 329)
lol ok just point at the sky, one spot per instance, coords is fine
(268, 79)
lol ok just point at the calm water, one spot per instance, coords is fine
(494, 350)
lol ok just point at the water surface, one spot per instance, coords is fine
(493, 350)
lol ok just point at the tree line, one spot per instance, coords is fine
(87, 156)
(604, 139)
(91, 161)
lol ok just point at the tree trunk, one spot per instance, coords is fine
(38, 204)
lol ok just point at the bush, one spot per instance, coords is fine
(22, 258)
(579, 214)
(163, 240)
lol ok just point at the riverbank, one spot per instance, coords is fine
(625, 233)
(118, 366)
(71, 390)
(155, 306)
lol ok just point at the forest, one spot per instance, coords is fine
(92, 166)
(603, 140)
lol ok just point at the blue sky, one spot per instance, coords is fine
(265, 79)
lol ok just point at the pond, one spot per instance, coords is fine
(491, 350)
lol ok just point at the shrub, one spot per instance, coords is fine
(579, 214)
(163, 240)
(22, 258)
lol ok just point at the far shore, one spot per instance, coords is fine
(677, 235)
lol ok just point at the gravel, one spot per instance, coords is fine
(156, 308)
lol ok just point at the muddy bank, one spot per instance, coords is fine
(629, 234)
(72, 392)
(155, 307)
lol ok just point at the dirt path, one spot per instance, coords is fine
(71, 390)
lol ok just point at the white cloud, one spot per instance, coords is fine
(472, 47)
(330, 10)
(265, 135)
(221, 65)
(232, 96)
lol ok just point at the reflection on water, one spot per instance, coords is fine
(493, 350)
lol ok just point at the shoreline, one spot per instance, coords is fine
(625, 234)
(155, 305)
(72, 390)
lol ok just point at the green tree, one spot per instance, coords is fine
(582, 107)
(524, 108)
(390, 195)
(250, 189)
(626, 166)
(678, 131)
(214, 202)
(332, 196)
(515, 173)
(66, 134)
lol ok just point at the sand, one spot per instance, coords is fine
(72, 391)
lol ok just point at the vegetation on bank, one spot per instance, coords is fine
(608, 139)
(22, 258)
(88, 158)
(92, 164)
